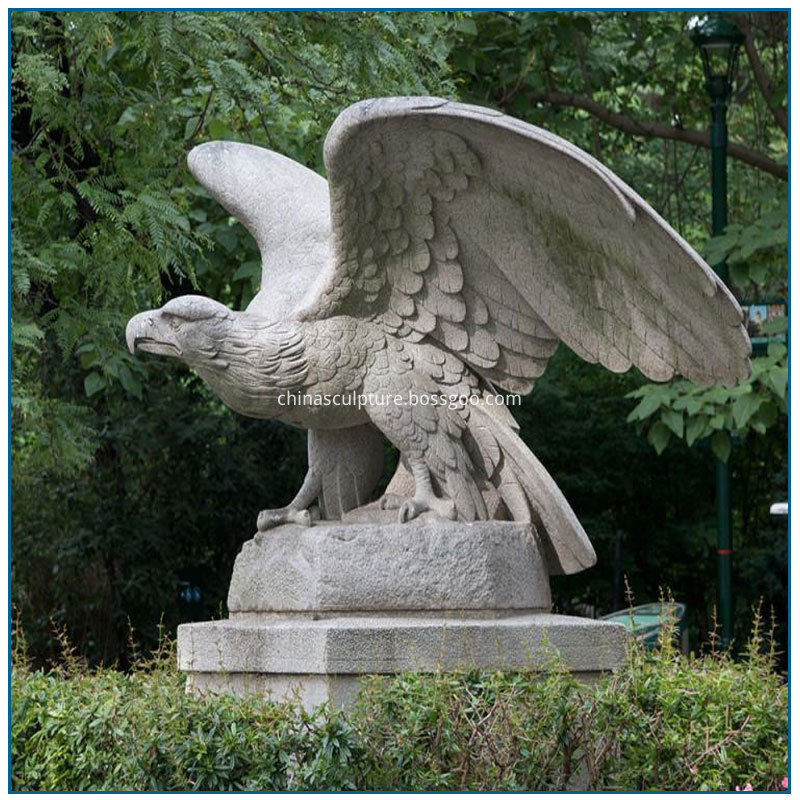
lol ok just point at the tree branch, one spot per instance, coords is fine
(762, 78)
(587, 87)
(636, 127)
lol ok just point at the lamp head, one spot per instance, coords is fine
(718, 39)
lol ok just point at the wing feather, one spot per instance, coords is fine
(497, 239)
(284, 205)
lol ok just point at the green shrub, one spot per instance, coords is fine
(663, 721)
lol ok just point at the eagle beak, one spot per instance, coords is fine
(148, 332)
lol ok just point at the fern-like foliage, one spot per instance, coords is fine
(105, 218)
(106, 221)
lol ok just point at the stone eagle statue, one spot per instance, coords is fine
(449, 252)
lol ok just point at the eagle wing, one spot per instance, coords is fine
(497, 239)
(285, 207)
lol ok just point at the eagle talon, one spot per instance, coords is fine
(272, 517)
(301, 518)
(391, 501)
(412, 508)
(444, 508)
(409, 510)
(267, 519)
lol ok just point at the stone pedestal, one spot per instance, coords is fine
(312, 609)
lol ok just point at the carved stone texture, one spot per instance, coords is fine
(368, 568)
(318, 657)
(314, 609)
(449, 253)
(350, 644)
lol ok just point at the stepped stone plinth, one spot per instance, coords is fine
(313, 609)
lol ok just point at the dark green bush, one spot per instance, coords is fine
(663, 721)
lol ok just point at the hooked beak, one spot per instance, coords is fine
(148, 332)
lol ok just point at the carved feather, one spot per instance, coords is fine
(286, 208)
(551, 242)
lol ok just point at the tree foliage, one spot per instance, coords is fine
(105, 216)
(127, 473)
(694, 413)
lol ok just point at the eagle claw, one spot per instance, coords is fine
(414, 507)
(391, 501)
(272, 517)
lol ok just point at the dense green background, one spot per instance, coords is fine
(129, 477)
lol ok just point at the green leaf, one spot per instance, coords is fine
(717, 421)
(674, 421)
(695, 428)
(128, 116)
(740, 272)
(776, 350)
(584, 25)
(693, 405)
(721, 445)
(190, 129)
(93, 383)
(250, 270)
(744, 407)
(647, 407)
(227, 237)
(766, 415)
(658, 436)
(777, 380)
(465, 62)
(758, 271)
(776, 325)
(130, 383)
(467, 25)
(217, 129)
(88, 356)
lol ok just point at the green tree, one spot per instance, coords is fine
(629, 88)
(127, 474)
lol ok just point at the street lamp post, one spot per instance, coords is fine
(718, 40)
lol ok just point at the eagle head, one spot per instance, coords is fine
(191, 328)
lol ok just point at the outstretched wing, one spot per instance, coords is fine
(497, 239)
(285, 207)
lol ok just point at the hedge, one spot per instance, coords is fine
(664, 721)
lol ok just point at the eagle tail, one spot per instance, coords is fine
(527, 490)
